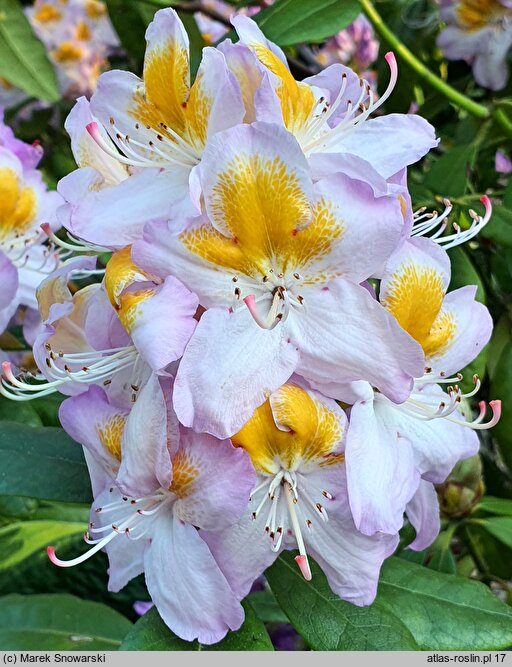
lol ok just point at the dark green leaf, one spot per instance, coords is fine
(500, 527)
(329, 624)
(290, 21)
(19, 412)
(489, 553)
(23, 59)
(196, 41)
(151, 634)
(267, 608)
(448, 176)
(496, 505)
(37, 412)
(499, 227)
(445, 612)
(501, 388)
(130, 19)
(14, 508)
(21, 540)
(501, 335)
(59, 623)
(464, 273)
(42, 463)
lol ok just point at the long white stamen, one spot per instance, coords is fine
(349, 122)
(77, 246)
(302, 558)
(460, 236)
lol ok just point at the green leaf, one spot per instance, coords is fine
(328, 623)
(499, 227)
(442, 611)
(151, 634)
(267, 608)
(21, 540)
(196, 41)
(501, 388)
(19, 412)
(489, 553)
(59, 623)
(416, 607)
(17, 508)
(288, 22)
(464, 273)
(130, 20)
(496, 505)
(500, 527)
(42, 463)
(448, 176)
(23, 59)
(37, 412)
(500, 337)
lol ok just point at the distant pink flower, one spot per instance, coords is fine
(503, 164)
(355, 46)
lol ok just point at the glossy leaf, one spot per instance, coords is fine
(22, 539)
(445, 612)
(448, 176)
(42, 463)
(23, 59)
(59, 623)
(267, 608)
(489, 553)
(130, 20)
(291, 21)
(329, 624)
(501, 388)
(500, 527)
(496, 505)
(416, 607)
(151, 634)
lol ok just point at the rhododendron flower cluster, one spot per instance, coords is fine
(271, 359)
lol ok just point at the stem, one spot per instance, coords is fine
(475, 109)
(501, 119)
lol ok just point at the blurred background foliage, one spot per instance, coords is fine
(454, 595)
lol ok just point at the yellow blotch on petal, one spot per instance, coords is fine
(83, 32)
(475, 14)
(442, 331)
(110, 434)
(47, 13)
(197, 114)
(263, 223)
(415, 296)
(167, 87)
(184, 473)
(314, 432)
(129, 307)
(121, 272)
(261, 202)
(67, 52)
(18, 204)
(296, 99)
(94, 9)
